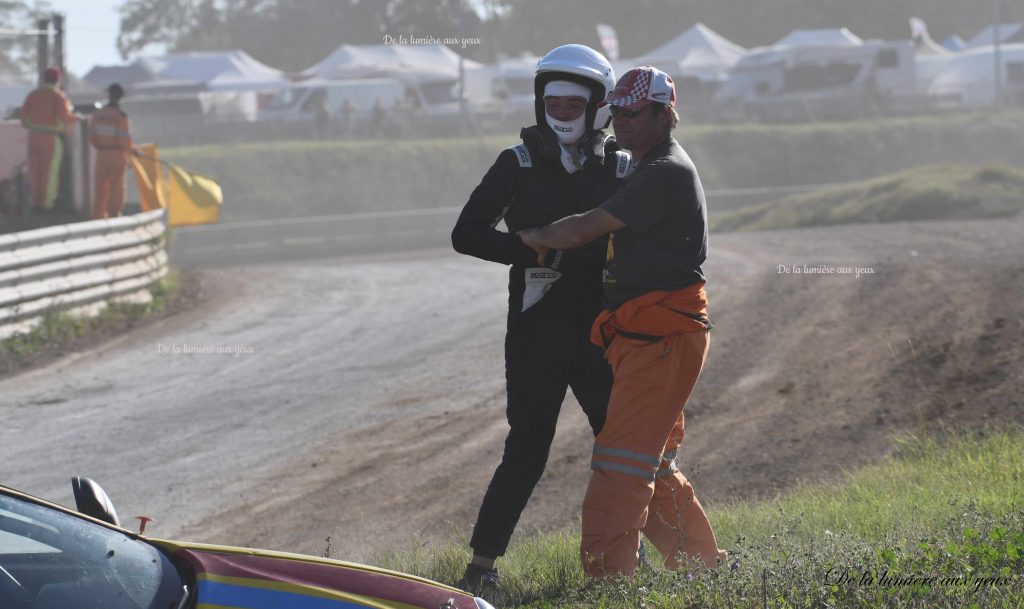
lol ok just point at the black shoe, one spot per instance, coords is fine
(641, 561)
(480, 581)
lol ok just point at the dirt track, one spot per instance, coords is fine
(808, 375)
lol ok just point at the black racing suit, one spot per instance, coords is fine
(547, 345)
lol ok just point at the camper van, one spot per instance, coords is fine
(819, 82)
(302, 101)
(966, 80)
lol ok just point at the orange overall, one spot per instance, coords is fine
(46, 113)
(110, 135)
(635, 485)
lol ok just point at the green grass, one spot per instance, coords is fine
(951, 509)
(59, 332)
(934, 192)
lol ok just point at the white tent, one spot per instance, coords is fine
(430, 71)
(833, 37)
(216, 71)
(125, 75)
(969, 76)
(761, 71)
(420, 63)
(137, 81)
(824, 73)
(699, 52)
(1006, 33)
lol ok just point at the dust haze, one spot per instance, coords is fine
(363, 395)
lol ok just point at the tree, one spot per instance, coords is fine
(537, 27)
(295, 34)
(287, 34)
(184, 24)
(18, 49)
(153, 22)
(314, 28)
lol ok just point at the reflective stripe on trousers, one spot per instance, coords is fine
(45, 153)
(624, 461)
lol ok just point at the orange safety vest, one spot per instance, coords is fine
(47, 110)
(109, 129)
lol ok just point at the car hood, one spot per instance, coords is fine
(259, 579)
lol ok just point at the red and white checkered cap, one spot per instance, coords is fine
(641, 86)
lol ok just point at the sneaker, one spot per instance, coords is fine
(480, 581)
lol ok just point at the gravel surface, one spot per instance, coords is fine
(362, 399)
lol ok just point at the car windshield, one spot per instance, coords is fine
(285, 98)
(53, 560)
(440, 92)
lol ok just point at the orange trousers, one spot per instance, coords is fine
(109, 176)
(635, 485)
(44, 157)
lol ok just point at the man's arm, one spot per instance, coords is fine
(68, 116)
(570, 232)
(476, 233)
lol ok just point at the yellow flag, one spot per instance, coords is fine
(192, 198)
(149, 177)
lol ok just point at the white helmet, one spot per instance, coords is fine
(581, 64)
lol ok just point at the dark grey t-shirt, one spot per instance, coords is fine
(665, 240)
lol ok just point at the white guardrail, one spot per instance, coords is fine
(78, 267)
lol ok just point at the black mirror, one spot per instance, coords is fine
(87, 108)
(92, 500)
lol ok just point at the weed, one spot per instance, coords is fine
(58, 332)
(939, 524)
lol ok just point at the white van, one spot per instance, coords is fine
(302, 101)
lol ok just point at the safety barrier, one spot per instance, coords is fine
(77, 267)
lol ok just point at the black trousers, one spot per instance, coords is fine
(547, 350)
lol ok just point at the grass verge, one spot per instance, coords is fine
(59, 333)
(934, 192)
(938, 524)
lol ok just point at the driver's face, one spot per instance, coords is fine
(564, 107)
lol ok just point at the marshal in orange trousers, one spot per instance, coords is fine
(109, 187)
(635, 485)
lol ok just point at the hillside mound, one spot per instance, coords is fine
(934, 192)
